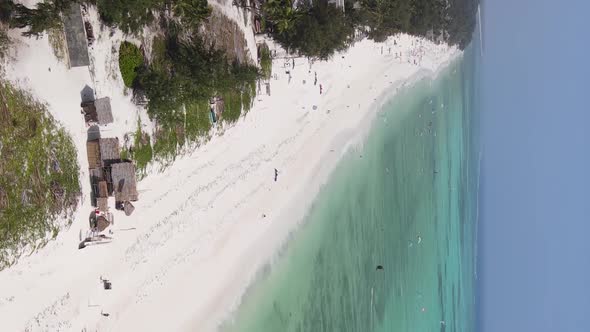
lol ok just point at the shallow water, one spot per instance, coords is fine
(405, 200)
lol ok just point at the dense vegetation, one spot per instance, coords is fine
(44, 16)
(318, 28)
(38, 173)
(265, 60)
(132, 15)
(314, 29)
(182, 77)
(453, 20)
(130, 60)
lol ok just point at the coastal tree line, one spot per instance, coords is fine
(318, 28)
(314, 28)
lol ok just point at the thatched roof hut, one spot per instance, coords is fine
(76, 37)
(124, 183)
(104, 112)
(103, 152)
(98, 111)
(129, 208)
(93, 151)
(102, 203)
(103, 191)
(96, 176)
(102, 223)
(109, 151)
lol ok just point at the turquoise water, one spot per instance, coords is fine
(407, 201)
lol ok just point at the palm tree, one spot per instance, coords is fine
(192, 11)
(282, 14)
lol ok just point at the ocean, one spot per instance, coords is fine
(405, 201)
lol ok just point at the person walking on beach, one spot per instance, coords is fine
(276, 174)
(315, 81)
(321, 89)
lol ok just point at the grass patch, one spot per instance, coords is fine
(57, 40)
(170, 140)
(197, 123)
(140, 151)
(130, 59)
(39, 174)
(265, 61)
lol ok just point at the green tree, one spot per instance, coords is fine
(315, 29)
(6, 10)
(130, 59)
(192, 12)
(281, 14)
(46, 15)
(191, 74)
(129, 15)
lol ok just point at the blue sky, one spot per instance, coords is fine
(534, 259)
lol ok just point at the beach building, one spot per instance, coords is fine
(77, 44)
(103, 152)
(98, 111)
(102, 223)
(96, 177)
(109, 174)
(109, 151)
(124, 183)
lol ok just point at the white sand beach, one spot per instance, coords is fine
(182, 261)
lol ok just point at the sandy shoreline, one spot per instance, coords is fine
(200, 237)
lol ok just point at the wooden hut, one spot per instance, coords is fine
(93, 151)
(128, 208)
(124, 183)
(77, 44)
(96, 176)
(102, 223)
(98, 111)
(103, 152)
(102, 200)
(109, 151)
(102, 203)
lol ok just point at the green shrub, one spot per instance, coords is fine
(130, 59)
(265, 61)
(141, 151)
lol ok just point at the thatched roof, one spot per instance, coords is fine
(102, 204)
(109, 150)
(103, 189)
(93, 150)
(124, 184)
(96, 175)
(129, 208)
(98, 111)
(102, 223)
(76, 37)
(103, 152)
(103, 111)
